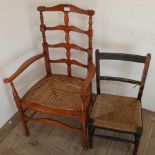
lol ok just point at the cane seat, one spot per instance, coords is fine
(56, 91)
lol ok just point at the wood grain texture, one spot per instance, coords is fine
(45, 139)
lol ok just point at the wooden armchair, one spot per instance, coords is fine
(57, 94)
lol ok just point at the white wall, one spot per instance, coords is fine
(16, 45)
(119, 26)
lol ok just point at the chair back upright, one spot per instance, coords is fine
(66, 9)
(123, 57)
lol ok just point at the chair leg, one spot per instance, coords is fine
(137, 141)
(24, 122)
(84, 131)
(90, 133)
(84, 136)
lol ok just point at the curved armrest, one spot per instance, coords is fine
(23, 67)
(87, 81)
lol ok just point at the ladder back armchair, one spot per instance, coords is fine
(57, 94)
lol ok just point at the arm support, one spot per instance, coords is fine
(23, 67)
(87, 82)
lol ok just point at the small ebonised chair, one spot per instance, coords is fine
(118, 113)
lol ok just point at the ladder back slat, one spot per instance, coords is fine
(120, 79)
(70, 62)
(59, 45)
(76, 29)
(66, 8)
(67, 29)
(58, 27)
(124, 57)
(74, 46)
(65, 45)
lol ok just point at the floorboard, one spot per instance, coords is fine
(49, 140)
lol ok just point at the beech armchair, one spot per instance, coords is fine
(57, 94)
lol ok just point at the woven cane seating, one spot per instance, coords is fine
(56, 91)
(118, 113)
(61, 95)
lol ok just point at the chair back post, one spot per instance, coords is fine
(97, 56)
(67, 38)
(45, 45)
(90, 35)
(123, 57)
(144, 75)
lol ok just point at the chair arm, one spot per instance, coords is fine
(23, 67)
(87, 81)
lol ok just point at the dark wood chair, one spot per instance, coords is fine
(118, 113)
(57, 94)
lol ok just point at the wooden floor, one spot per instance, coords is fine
(49, 140)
